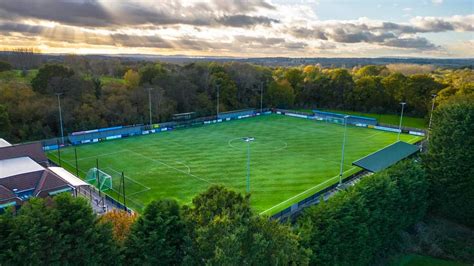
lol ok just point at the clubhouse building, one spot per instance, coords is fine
(25, 172)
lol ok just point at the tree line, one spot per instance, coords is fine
(354, 227)
(101, 93)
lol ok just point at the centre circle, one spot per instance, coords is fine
(259, 144)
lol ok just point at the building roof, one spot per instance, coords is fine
(32, 150)
(6, 193)
(26, 181)
(18, 166)
(50, 181)
(68, 177)
(386, 157)
(4, 143)
(23, 175)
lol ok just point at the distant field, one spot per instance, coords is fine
(291, 158)
(107, 80)
(16, 75)
(414, 122)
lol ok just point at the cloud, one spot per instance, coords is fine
(245, 21)
(416, 43)
(7, 27)
(234, 27)
(85, 13)
(436, 24)
(384, 33)
(96, 13)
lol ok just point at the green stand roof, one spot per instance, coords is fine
(386, 157)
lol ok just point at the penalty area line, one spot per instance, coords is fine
(309, 189)
(171, 167)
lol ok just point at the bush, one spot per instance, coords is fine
(5, 66)
(354, 225)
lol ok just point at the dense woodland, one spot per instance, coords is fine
(98, 93)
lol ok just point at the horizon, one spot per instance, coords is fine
(242, 29)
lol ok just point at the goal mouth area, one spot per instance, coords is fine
(99, 179)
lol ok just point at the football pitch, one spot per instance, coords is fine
(290, 159)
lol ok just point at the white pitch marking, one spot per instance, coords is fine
(305, 191)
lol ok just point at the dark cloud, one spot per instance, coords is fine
(152, 41)
(296, 45)
(306, 33)
(245, 21)
(266, 43)
(95, 13)
(232, 6)
(84, 13)
(385, 33)
(18, 27)
(259, 40)
(416, 43)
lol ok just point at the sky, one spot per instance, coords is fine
(242, 28)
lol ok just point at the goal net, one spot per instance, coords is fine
(99, 178)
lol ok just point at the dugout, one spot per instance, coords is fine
(386, 157)
(339, 118)
(184, 116)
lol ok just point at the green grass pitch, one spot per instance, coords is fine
(290, 159)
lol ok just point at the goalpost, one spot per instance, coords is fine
(99, 178)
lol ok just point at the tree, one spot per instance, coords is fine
(150, 72)
(5, 66)
(342, 87)
(46, 74)
(417, 93)
(5, 125)
(224, 231)
(394, 85)
(450, 160)
(354, 225)
(157, 237)
(281, 94)
(369, 94)
(97, 87)
(132, 79)
(6, 227)
(82, 233)
(227, 91)
(121, 221)
(371, 70)
(316, 92)
(458, 83)
(62, 230)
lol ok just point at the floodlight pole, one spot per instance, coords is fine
(123, 190)
(261, 97)
(59, 152)
(97, 175)
(431, 116)
(217, 107)
(60, 117)
(77, 167)
(149, 104)
(248, 140)
(401, 118)
(343, 147)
